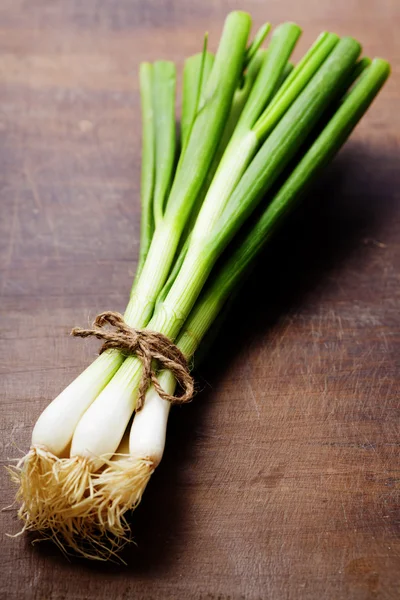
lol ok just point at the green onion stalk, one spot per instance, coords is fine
(251, 123)
(238, 136)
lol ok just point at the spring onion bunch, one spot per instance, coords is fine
(251, 123)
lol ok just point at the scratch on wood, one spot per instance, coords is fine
(249, 386)
(38, 201)
(11, 241)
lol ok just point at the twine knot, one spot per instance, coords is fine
(148, 346)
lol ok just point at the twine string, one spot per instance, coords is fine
(148, 346)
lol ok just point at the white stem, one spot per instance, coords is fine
(149, 427)
(102, 426)
(55, 426)
(100, 430)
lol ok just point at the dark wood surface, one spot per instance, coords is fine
(281, 480)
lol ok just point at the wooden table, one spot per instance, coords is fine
(281, 480)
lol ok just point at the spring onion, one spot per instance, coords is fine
(248, 117)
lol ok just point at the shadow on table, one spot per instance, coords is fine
(344, 214)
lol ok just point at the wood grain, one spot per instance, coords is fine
(282, 479)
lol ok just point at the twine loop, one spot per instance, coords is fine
(148, 346)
